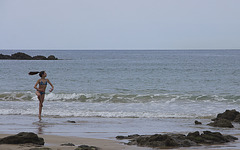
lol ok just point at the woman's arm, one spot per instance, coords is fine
(35, 86)
(51, 85)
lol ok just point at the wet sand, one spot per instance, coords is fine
(54, 142)
(101, 132)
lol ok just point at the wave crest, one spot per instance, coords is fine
(117, 98)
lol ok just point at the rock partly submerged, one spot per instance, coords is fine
(221, 123)
(228, 115)
(178, 140)
(197, 122)
(23, 56)
(226, 118)
(23, 138)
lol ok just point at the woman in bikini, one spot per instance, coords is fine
(41, 89)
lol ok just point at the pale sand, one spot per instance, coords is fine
(54, 142)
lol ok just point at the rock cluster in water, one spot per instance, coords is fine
(23, 56)
(226, 118)
(23, 138)
(178, 140)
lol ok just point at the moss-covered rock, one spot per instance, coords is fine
(228, 115)
(23, 138)
(86, 147)
(221, 123)
(179, 140)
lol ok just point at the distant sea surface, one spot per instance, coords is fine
(124, 84)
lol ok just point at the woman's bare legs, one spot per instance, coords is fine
(41, 99)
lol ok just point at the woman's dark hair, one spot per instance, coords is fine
(40, 73)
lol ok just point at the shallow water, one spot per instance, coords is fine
(125, 84)
(110, 93)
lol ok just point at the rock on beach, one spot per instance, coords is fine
(23, 138)
(225, 119)
(228, 115)
(221, 123)
(86, 147)
(178, 140)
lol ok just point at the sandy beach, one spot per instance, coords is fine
(101, 132)
(54, 142)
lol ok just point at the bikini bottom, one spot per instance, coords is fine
(41, 92)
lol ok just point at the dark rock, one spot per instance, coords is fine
(21, 56)
(171, 143)
(228, 115)
(237, 119)
(69, 121)
(208, 137)
(120, 137)
(41, 148)
(127, 137)
(68, 144)
(197, 122)
(182, 140)
(39, 57)
(230, 138)
(195, 136)
(221, 123)
(86, 147)
(213, 137)
(5, 56)
(23, 138)
(179, 140)
(51, 57)
(161, 141)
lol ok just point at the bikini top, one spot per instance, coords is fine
(41, 83)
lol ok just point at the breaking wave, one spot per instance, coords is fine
(117, 98)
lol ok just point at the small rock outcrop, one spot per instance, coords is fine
(23, 138)
(71, 121)
(68, 144)
(23, 56)
(39, 57)
(208, 137)
(237, 119)
(40, 148)
(197, 122)
(178, 140)
(221, 123)
(86, 147)
(5, 56)
(52, 57)
(228, 115)
(226, 118)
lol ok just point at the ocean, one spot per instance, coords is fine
(124, 84)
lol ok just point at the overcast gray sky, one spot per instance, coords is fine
(119, 24)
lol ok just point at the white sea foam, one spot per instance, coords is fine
(176, 109)
(118, 105)
(119, 98)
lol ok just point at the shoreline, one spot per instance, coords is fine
(101, 132)
(54, 142)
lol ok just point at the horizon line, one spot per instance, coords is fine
(118, 49)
